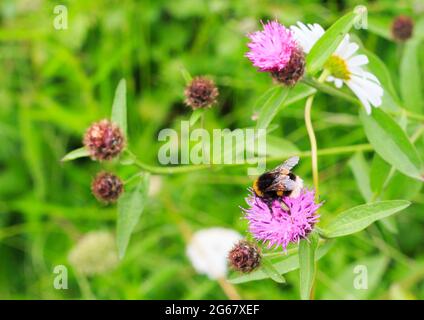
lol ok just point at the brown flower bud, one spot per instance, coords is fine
(293, 71)
(104, 140)
(402, 28)
(201, 92)
(107, 187)
(245, 256)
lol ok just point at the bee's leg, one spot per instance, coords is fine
(269, 204)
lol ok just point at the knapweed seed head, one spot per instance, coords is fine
(201, 92)
(245, 256)
(107, 187)
(104, 140)
(402, 28)
(286, 220)
(95, 253)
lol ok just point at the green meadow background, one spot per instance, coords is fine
(54, 83)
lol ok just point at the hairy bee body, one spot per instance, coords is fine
(279, 182)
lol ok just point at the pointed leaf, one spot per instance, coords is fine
(75, 154)
(380, 170)
(119, 107)
(130, 207)
(270, 108)
(392, 143)
(270, 270)
(360, 171)
(307, 249)
(360, 217)
(410, 77)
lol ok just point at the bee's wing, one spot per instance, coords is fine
(289, 164)
(281, 183)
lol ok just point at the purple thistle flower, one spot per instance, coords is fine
(280, 226)
(272, 48)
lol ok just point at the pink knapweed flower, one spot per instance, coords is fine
(286, 220)
(272, 48)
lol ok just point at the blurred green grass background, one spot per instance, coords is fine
(54, 83)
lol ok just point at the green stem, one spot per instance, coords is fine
(313, 142)
(311, 134)
(192, 168)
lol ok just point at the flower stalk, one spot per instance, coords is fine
(311, 134)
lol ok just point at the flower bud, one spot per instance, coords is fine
(104, 140)
(402, 28)
(201, 92)
(245, 256)
(107, 187)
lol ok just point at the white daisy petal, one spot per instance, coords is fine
(368, 92)
(338, 83)
(343, 46)
(358, 60)
(359, 92)
(370, 76)
(308, 35)
(351, 49)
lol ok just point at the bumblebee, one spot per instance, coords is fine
(279, 182)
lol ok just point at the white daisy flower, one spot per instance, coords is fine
(345, 65)
(208, 250)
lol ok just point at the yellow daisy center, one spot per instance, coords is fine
(337, 67)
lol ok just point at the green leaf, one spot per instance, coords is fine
(410, 78)
(270, 108)
(130, 207)
(186, 75)
(328, 43)
(307, 249)
(270, 270)
(392, 143)
(380, 169)
(360, 170)
(75, 154)
(284, 264)
(119, 107)
(360, 217)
